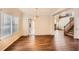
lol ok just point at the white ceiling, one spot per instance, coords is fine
(38, 11)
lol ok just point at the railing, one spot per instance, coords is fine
(71, 19)
(69, 28)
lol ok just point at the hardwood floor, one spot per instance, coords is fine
(38, 43)
(64, 43)
(45, 43)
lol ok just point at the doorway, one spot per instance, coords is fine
(31, 27)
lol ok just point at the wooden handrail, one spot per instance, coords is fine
(71, 19)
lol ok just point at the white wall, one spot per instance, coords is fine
(76, 23)
(25, 27)
(43, 25)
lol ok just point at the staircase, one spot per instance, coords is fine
(69, 28)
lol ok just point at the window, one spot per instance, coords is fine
(8, 25)
(15, 24)
(5, 25)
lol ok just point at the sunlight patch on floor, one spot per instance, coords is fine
(60, 40)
